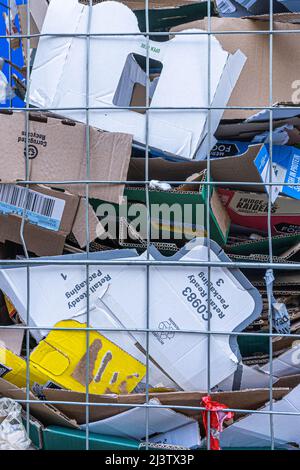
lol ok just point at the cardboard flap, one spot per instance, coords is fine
(79, 227)
(229, 169)
(46, 414)
(12, 339)
(252, 88)
(57, 152)
(293, 18)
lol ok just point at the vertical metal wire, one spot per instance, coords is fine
(87, 224)
(9, 53)
(146, 182)
(208, 218)
(270, 194)
(23, 241)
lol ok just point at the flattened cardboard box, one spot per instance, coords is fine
(57, 152)
(39, 239)
(252, 88)
(46, 414)
(244, 399)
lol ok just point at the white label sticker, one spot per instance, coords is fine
(42, 210)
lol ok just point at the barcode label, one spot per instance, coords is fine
(225, 6)
(44, 211)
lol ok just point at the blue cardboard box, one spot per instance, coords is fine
(286, 164)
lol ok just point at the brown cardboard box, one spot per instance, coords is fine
(228, 170)
(57, 153)
(44, 242)
(252, 88)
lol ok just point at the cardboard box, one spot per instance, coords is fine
(280, 245)
(285, 159)
(51, 160)
(59, 438)
(182, 132)
(249, 209)
(252, 88)
(172, 227)
(121, 292)
(50, 217)
(251, 167)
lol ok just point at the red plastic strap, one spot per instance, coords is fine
(217, 418)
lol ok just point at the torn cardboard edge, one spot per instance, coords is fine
(47, 414)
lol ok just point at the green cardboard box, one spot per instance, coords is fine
(60, 438)
(178, 214)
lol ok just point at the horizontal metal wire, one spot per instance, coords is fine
(144, 182)
(199, 32)
(160, 406)
(150, 330)
(35, 110)
(150, 262)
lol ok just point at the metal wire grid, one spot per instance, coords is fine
(29, 263)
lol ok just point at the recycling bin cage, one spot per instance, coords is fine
(265, 266)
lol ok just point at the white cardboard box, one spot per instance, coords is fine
(59, 76)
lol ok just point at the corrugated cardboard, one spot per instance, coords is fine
(229, 169)
(57, 152)
(193, 196)
(246, 131)
(252, 88)
(44, 242)
(244, 399)
(47, 414)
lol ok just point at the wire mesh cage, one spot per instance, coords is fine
(149, 321)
